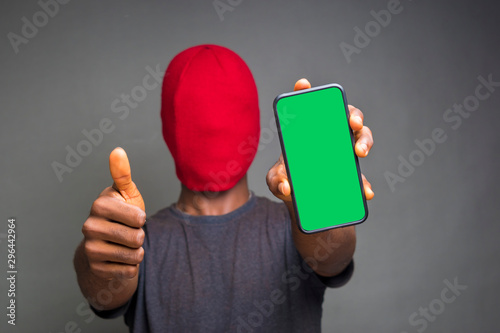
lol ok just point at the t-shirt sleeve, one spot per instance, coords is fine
(338, 280)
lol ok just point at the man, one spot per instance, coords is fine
(221, 259)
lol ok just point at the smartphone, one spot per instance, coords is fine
(318, 148)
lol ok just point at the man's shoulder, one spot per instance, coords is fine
(271, 206)
(162, 219)
(162, 213)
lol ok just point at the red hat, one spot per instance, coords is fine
(210, 115)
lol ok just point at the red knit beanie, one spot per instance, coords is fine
(210, 115)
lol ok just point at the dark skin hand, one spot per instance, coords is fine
(342, 240)
(107, 260)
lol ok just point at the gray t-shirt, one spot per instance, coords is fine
(238, 272)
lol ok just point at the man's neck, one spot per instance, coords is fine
(214, 203)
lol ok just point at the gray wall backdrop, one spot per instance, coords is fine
(438, 226)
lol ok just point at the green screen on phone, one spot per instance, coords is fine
(318, 148)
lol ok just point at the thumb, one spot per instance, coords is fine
(119, 168)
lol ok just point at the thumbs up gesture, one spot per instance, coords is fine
(113, 234)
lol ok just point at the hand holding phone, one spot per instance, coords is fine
(314, 126)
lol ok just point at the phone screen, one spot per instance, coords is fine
(318, 149)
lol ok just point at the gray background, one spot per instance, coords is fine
(441, 223)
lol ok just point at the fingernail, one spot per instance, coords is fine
(285, 184)
(364, 147)
(358, 119)
(280, 187)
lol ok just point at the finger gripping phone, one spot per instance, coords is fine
(318, 150)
